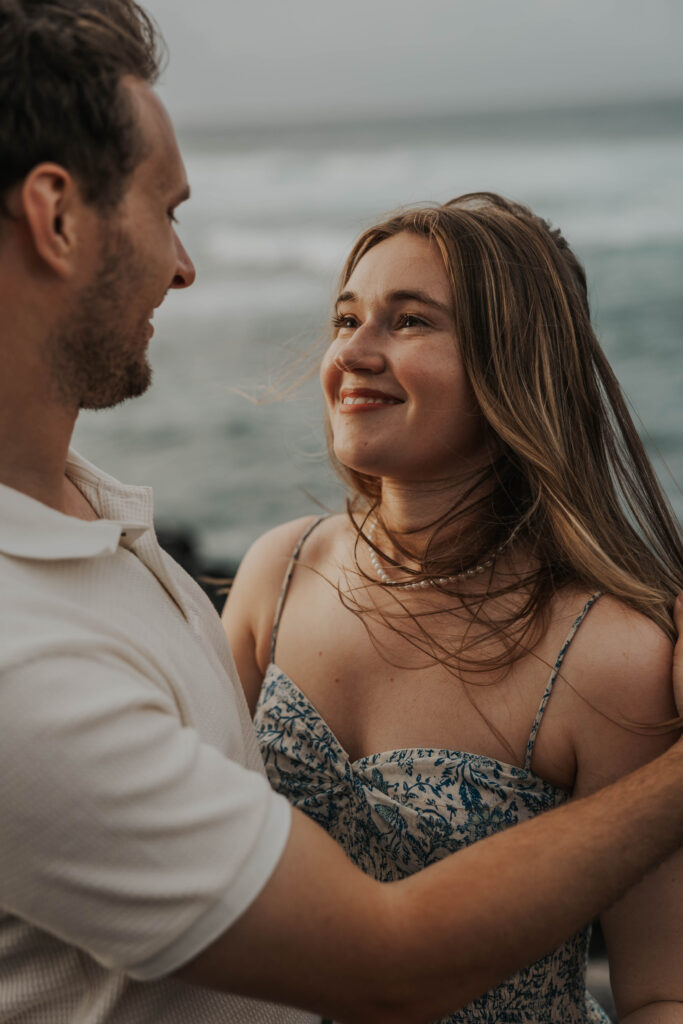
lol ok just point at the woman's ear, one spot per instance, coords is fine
(51, 205)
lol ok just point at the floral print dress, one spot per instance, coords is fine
(398, 811)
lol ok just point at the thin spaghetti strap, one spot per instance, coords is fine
(553, 676)
(287, 580)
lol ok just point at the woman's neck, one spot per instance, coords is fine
(411, 510)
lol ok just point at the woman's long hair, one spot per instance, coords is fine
(568, 472)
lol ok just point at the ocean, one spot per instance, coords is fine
(273, 213)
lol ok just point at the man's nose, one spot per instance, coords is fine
(185, 272)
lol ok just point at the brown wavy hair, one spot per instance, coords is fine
(61, 97)
(567, 473)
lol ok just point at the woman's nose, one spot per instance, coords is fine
(361, 352)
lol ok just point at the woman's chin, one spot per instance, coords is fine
(357, 462)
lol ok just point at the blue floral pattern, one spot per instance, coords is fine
(398, 811)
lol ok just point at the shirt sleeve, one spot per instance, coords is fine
(123, 832)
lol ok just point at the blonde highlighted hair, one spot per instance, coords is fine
(568, 471)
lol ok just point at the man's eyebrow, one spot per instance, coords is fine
(403, 295)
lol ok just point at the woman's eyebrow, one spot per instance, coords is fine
(402, 295)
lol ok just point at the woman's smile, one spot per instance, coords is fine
(395, 345)
(365, 399)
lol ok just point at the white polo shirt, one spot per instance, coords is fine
(136, 823)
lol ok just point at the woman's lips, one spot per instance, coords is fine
(361, 399)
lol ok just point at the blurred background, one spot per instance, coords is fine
(301, 123)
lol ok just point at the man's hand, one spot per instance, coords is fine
(678, 655)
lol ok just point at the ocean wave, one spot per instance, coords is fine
(273, 211)
(318, 250)
(269, 229)
(274, 188)
(248, 297)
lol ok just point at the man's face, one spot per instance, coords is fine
(99, 353)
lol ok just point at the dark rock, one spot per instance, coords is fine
(213, 577)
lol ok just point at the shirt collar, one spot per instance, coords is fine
(29, 529)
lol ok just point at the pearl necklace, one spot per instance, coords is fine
(430, 581)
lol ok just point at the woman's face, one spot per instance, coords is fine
(399, 402)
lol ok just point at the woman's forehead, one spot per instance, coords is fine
(403, 262)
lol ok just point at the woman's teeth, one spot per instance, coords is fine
(366, 400)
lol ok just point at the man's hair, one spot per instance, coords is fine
(61, 99)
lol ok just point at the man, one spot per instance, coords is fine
(147, 872)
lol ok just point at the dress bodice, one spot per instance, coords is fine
(397, 811)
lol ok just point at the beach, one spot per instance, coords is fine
(273, 213)
(230, 435)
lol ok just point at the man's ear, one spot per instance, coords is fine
(52, 207)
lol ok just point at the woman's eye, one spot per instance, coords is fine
(410, 320)
(340, 321)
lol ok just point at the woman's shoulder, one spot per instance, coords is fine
(622, 656)
(619, 671)
(280, 541)
(251, 605)
(273, 549)
(263, 568)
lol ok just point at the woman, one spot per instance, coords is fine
(487, 631)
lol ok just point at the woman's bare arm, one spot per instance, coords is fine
(249, 611)
(627, 668)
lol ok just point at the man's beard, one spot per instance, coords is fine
(98, 357)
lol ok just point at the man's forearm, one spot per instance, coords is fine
(518, 894)
(323, 936)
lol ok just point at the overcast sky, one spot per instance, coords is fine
(269, 60)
